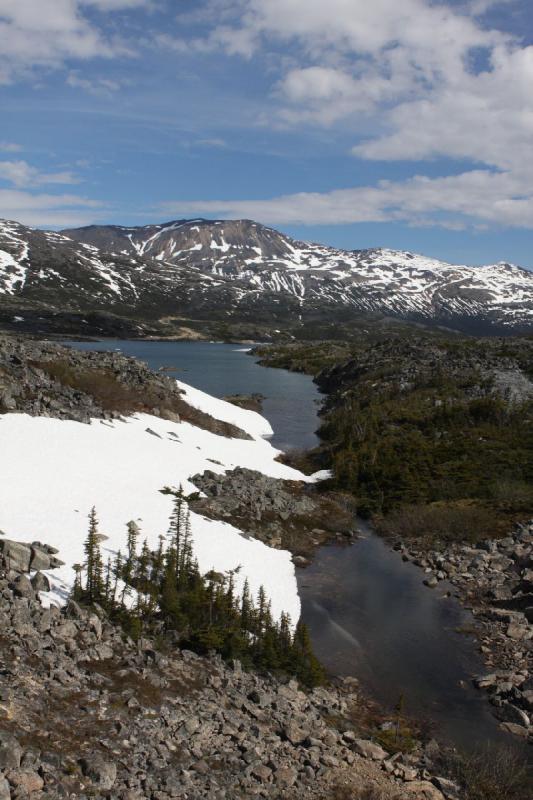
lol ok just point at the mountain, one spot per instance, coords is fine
(242, 271)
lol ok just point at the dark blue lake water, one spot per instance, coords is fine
(291, 400)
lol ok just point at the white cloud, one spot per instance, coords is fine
(428, 77)
(10, 147)
(117, 5)
(46, 209)
(22, 174)
(477, 197)
(98, 86)
(46, 33)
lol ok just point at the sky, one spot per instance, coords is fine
(404, 124)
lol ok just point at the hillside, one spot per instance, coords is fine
(228, 273)
(440, 424)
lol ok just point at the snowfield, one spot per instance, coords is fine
(53, 471)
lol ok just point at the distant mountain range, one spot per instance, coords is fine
(240, 270)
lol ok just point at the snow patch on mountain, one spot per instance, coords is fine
(53, 471)
(191, 267)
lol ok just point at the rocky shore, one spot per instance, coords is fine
(49, 380)
(495, 579)
(87, 712)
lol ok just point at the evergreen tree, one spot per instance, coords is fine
(93, 562)
(205, 610)
(247, 609)
(305, 664)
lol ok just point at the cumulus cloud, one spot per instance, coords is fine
(431, 78)
(475, 197)
(22, 174)
(117, 5)
(46, 33)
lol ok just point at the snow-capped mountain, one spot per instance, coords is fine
(241, 269)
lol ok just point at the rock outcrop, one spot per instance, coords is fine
(287, 514)
(48, 380)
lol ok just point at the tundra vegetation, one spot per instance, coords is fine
(431, 433)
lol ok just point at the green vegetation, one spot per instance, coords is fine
(164, 590)
(431, 434)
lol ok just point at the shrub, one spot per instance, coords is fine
(493, 773)
(443, 521)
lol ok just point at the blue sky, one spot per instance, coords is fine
(399, 124)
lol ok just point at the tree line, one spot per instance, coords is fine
(164, 590)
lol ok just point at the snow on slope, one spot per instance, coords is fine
(13, 261)
(53, 471)
(249, 421)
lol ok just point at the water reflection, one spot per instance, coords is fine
(371, 616)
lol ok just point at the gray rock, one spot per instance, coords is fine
(510, 713)
(10, 751)
(286, 776)
(40, 582)
(5, 792)
(39, 559)
(17, 555)
(25, 781)
(101, 772)
(450, 789)
(369, 749)
(22, 586)
(294, 734)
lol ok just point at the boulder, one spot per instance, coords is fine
(67, 630)
(422, 790)
(17, 555)
(22, 586)
(10, 751)
(40, 582)
(39, 559)
(510, 713)
(5, 791)
(101, 772)
(294, 734)
(450, 789)
(369, 749)
(25, 780)
(516, 730)
(286, 776)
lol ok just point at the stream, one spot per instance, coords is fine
(369, 613)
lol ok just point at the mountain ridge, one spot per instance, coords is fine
(240, 269)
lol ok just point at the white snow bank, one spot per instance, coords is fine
(249, 421)
(53, 471)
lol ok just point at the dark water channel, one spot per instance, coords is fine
(371, 616)
(369, 613)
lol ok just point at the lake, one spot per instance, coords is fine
(291, 400)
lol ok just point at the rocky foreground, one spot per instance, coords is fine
(494, 578)
(87, 712)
